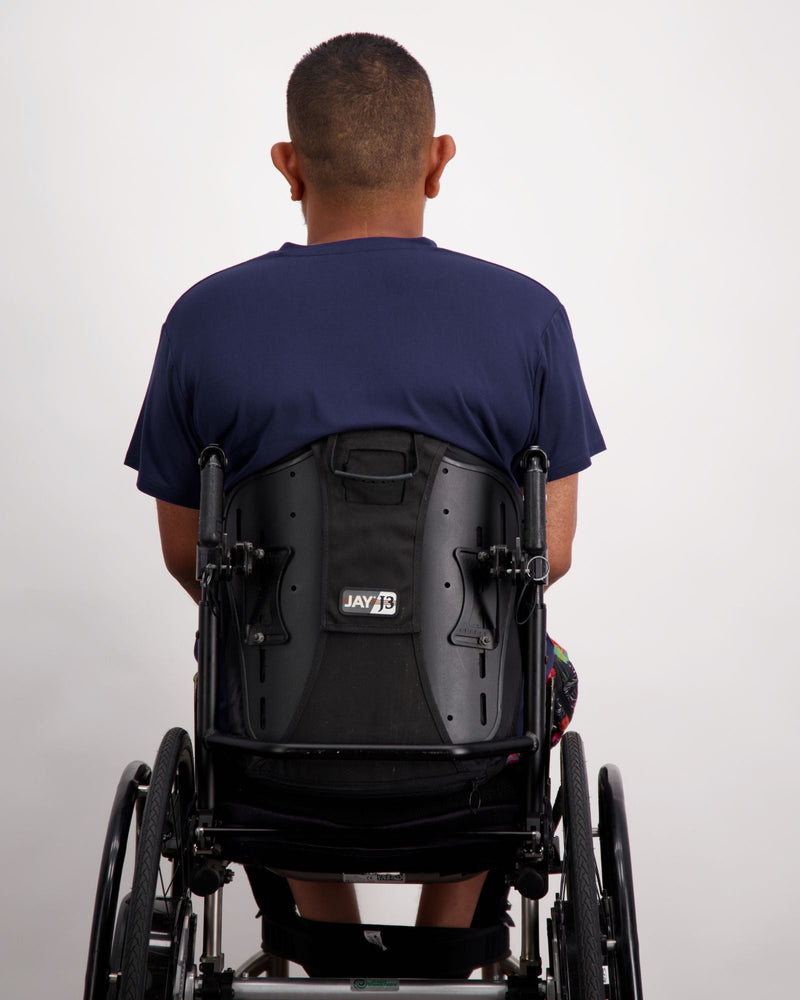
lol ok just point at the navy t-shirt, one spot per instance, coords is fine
(272, 354)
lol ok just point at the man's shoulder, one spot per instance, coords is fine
(434, 269)
(227, 283)
(506, 278)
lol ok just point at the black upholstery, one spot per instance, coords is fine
(354, 517)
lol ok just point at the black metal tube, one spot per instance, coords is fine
(209, 558)
(534, 544)
(535, 709)
(205, 707)
(377, 751)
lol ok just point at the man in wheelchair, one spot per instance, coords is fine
(370, 584)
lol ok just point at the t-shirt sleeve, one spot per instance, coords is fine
(566, 427)
(165, 446)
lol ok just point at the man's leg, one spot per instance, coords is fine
(449, 904)
(332, 901)
(441, 904)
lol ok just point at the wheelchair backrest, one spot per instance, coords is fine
(370, 617)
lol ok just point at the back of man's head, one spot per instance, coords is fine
(361, 116)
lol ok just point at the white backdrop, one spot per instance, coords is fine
(639, 158)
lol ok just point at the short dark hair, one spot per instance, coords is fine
(360, 112)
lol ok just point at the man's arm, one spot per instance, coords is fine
(178, 527)
(562, 519)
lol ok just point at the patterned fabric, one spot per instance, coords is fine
(562, 686)
(562, 680)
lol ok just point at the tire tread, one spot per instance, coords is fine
(174, 746)
(581, 871)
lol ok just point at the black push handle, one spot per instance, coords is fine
(534, 481)
(212, 474)
(210, 556)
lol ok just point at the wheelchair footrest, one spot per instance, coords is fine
(333, 950)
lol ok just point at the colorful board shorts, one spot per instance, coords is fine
(563, 681)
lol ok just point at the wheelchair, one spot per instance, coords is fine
(371, 705)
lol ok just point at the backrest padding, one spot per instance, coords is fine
(370, 619)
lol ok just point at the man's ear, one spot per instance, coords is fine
(284, 158)
(442, 151)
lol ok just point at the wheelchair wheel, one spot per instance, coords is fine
(576, 949)
(104, 930)
(159, 929)
(618, 903)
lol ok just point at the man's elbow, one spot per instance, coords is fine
(560, 562)
(185, 575)
(178, 527)
(187, 579)
(562, 516)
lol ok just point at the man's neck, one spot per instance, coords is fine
(328, 223)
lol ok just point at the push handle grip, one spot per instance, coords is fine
(534, 481)
(212, 474)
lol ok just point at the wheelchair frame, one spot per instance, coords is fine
(144, 948)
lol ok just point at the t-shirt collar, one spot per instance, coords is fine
(357, 246)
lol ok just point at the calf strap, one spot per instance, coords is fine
(384, 951)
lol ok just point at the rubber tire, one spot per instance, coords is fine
(106, 916)
(168, 815)
(584, 944)
(625, 975)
